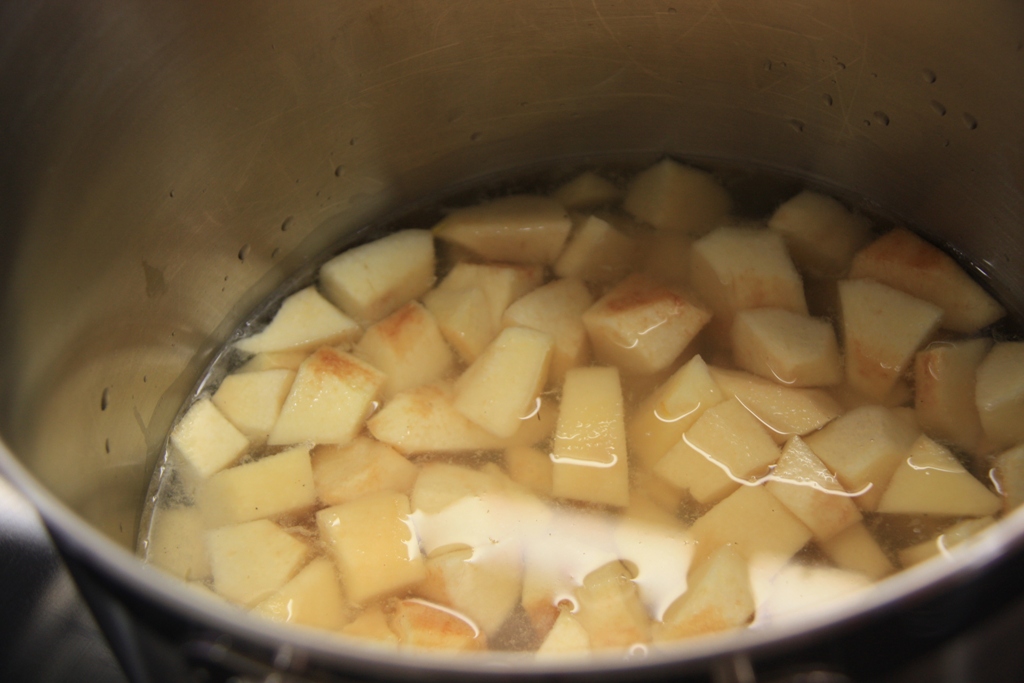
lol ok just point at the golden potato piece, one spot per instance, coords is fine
(556, 308)
(596, 253)
(252, 560)
(999, 394)
(312, 598)
(305, 321)
(280, 484)
(719, 598)
(422, 624)
(790, 348)
(821, 234)
(206, 441)
(359, 468)
(586, 191)
(856, 549)
(680, 198)
(944, 382)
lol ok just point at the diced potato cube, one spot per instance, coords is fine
(421, 624)
(863, 448)
(313, 598)
(364, 466)
(596, 252)
(518, 229)
(375, 279)
(253, 400)
(734, 269)
(252, 560)
(373, 544)
(589, 452)
(931, 481)
(898, 397)
(501, 284)
(944, 379)
(822, 235)
(464, 318)
(566, 637)
(408, 348)
(610, 609)
(441, 484)
(659, 554)
(176, 543)
(904, 261)
(999, 394)
(754, 522)
(502, 385)
(653, 499)
(276, 485)
(857, 550)
(1010, 475)
(882, 330)
(671, 196)
(305, 321)
(790, 348)
(718, 598)
(371, 624)
(556, 308)
(798, 587)
(726, 445)
(424, 420)
(586, 191)
(944, 542)
(274, 360)
(784, 411)
(804, 485)
(332, 394)
(530, 467)
(641, 327)
(666, 257)
(482, 583)
(660, 420)
(206, 441)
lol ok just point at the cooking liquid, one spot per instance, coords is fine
(552, 545)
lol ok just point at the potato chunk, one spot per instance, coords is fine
(904, 261)
(464, 318)
(798, 587)
(610, 609)
(518, 229)
(733, 269)
(1010, 475)
(332, 394)
(501, 284)
(586, 191)
(784, 411)
(999, 394)
(596, 252)
(589, 452)
(206, 441)
(408, 348)
(660, 420)
(725, 446)
(719, 597)
(556, 308)
(252, 401)
(312, 598)
(175, 543)
(280, 484)
(375, 279)
(305, 321)
(790, 348)
(425, 420)
(531, 468)
(422, 624)
(566, 637)
(931, 481)
(805, 486)
(821, 234)
(503, 384)
(373, 545)
(252, 560)
(882, 329)
(944, 542)
(863, 448)
(359, 468)
(671, 196)
(641, 327)
(944, 381)
(482, 583)
(754, 522)
(371, 624)
(856, 549)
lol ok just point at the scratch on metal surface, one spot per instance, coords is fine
(422, 53)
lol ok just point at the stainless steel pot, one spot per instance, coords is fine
(167, 164)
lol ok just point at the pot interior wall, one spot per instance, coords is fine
(168, 164)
